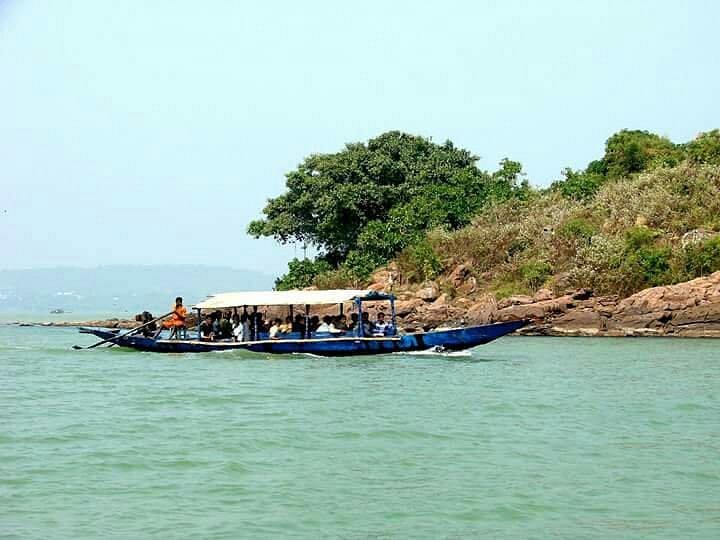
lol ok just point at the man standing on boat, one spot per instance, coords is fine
(176, 324)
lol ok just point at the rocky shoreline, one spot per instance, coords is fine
(689, 309)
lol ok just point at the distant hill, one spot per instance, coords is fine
(119, 288)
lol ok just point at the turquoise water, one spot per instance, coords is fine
(522, 438)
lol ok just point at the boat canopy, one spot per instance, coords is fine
(288, 298)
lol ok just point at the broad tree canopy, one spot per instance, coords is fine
(372, 199)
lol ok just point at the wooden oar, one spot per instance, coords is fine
(114, 338)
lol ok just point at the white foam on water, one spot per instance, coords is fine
(434, 351)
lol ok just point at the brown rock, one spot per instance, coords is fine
(515, 300)
(403, 308)
(440, 301)
(428, 293)
(586, 321)
(459, 274)
(483, 311)
(542, 295)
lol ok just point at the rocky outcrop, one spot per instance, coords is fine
(690, 309)
(686, 309)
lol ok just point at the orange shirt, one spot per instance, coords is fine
(178, 316)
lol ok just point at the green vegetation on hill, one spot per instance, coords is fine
(644, 214)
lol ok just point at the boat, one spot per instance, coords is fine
(351, 343)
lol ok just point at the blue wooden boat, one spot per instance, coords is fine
(347, 344)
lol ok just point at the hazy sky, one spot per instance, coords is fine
(152, 132)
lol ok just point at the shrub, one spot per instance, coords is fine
(301, 273)
(602, 266)
(336, 279)
(705, 148)
(360, 264)
(638, 237)
(535, 273)
(507, 287)
(419, 262)
(579, 185)
(703, 258)
(654, 265)
(577, 228)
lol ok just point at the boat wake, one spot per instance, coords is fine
(438, 350)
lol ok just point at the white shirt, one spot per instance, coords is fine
(239, 331)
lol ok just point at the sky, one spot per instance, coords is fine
(153, 132)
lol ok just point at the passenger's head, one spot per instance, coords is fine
(354, 317)
(365, 316)
(277, 321)
(178, 301)
(288, 319)
(299, 317)
(381, 316)
(327, 319)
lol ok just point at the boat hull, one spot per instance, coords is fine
(453, 339)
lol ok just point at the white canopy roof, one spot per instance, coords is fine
(281, 298)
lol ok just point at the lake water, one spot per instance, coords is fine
(522, 438)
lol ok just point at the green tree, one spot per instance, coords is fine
(366, 203)
(301, 273)
(705, 148)
(579, 185)
(633, 151)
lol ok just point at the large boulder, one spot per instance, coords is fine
(586, 322)
(459, 275)
(403, 308)
(536, 310)
(429, 292)
(483, 311)
(691, 308)
(515, 300)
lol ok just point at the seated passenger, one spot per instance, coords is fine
(245, 325)
(287, 326)
(326, 324)
(226, 326)
(299, 324)
(238, 329)
(146, 317)
(382, 328)
(341, 323)
(314, 323)
(353, 321)
(206, 329)
(274, 332)
(216, 317)
(367, 326)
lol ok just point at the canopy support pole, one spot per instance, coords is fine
(392, 314)
(307, 321)
(360, 329)
(254, 328)
(199, 321)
